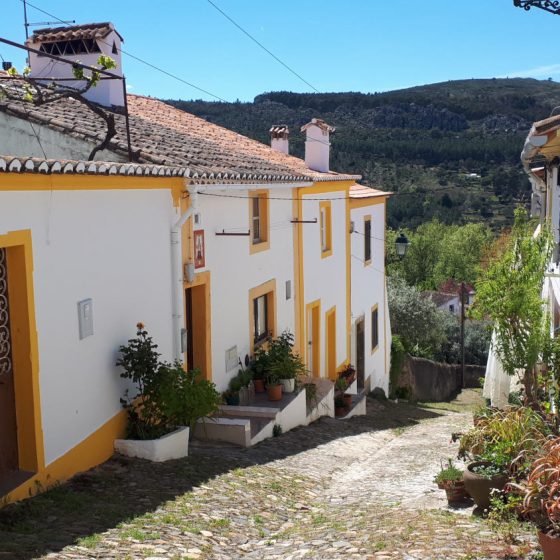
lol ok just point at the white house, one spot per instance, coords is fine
(211, 239)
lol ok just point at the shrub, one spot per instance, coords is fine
(167, 396)
(398, 357)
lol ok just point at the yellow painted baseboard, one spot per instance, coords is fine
(92, 451)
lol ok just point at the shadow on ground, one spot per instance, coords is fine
(123, 488)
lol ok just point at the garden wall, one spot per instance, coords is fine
(432, 381)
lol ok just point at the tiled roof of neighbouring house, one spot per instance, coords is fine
(360, 191)
(439, 298)
(72, 32)
(164, 135)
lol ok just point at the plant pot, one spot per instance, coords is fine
(274, 392)
(347, 400)
(288, 385)
(232, 400)
(550, 546)
(340, 411)
(171, 446)
(259, 385)
(455, 491)
(480, 487)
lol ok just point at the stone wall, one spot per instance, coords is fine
(425, 380)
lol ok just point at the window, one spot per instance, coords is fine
(259, 221)
(325, 228)
(452, 308)
(374, 328)
(262, 313)
(367, 240)
(260, 317)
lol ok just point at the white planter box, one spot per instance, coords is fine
(171, 446)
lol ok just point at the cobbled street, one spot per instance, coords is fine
(359, 488)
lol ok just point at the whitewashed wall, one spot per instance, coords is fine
(109, 245)
(368, 289)
(234, 271)
(325, 278)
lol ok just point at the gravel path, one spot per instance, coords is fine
(360, 488)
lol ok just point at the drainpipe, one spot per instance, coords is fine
(177, 273)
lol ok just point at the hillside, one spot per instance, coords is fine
(450, 150)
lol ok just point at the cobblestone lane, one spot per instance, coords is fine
(360, 488)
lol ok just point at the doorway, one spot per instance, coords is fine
(9, 460)
(197, 324)
(360, 353)
(313, 338)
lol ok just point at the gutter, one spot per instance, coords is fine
(177, 273)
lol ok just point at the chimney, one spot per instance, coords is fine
(317, 145)
(279, 138)
(79, 43)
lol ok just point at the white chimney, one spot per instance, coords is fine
(317, 145)
(279, 138)
(79, 43)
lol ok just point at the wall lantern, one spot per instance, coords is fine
(401, 245)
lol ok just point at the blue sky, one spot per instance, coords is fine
(336, 45)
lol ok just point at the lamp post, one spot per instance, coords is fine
(401, 245)
(551, 6)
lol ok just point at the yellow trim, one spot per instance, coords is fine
(25, 349)
(264, 216)
(367, 262)
(311, 307)
(374, 308)
(203, 279)
(269, 289)
(330, 343)
(327, 187)
(44, 182)
(362, 202)
(92, 451)
(325, 206)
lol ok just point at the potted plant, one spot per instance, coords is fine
(341, 385)
(339, 406)
(289, 368)
(450, 479)
(273, 386)
(541, 498)
(480, 478)
(167, 404)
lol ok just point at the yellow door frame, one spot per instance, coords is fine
(313, 309)
(25, 349)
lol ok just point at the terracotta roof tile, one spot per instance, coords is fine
(361, 191)
(72, 32)
(164, 135)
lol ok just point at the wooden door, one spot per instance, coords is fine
(8, 426)
(360, 356)
(313, 349)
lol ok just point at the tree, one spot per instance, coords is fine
(509, 294)
(414, 318)
(23, 87)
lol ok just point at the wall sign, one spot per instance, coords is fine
(199, 249)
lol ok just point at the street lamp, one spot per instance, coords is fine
(401, 245)
(552, 6)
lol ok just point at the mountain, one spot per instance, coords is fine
(448, 150)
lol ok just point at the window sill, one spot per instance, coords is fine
(374, 350)
(259, 247)
(367, 263)
(327, 253)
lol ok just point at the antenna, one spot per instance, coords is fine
(26, 23)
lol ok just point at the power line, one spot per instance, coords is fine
(263, 47)
(138, 59)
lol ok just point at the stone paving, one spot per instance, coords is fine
(360, 488)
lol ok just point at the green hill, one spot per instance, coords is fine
(450, 150)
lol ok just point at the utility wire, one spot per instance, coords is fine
(263, 47)
(138, 59)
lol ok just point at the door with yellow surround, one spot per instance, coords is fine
(313, 339)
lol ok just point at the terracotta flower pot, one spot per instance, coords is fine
(550, 546)
(347, 400)
(340, 411)
(480, 487)
(259, 385)
(274, 392)
(455, 491)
